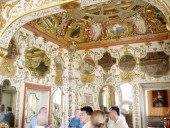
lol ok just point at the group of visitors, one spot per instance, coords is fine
(84, 118)
(87, 118)
(6, 115)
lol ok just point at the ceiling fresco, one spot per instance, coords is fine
(97, 24)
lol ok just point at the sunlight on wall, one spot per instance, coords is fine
(126, 89)
(146, 96)
(57, 96)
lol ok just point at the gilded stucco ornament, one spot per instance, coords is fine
(166, 47)
(37, 62)
(127, 76)
(18, 15)
(3, 52)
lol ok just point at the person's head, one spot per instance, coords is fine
(114, 112)
(77, 113)
(43, 110)
(101, 107)
(85, 114)
(2, 108)
(98, 119)
(8, 109)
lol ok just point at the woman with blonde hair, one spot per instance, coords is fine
(98, 119)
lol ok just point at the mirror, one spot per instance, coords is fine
(126, 104)
(87, 65)
(106, 61)
(37, 62)
(35, 97)
(155, 64)
(126, 107)
(57, 107)
(106, 98)
(127, 63)
(8, 96)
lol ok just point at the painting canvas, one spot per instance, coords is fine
(160, 98)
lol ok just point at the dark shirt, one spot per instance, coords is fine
(8, 117)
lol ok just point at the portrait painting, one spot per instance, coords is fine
(160, 98)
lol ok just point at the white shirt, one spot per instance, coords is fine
(120, 123)
(87, 125)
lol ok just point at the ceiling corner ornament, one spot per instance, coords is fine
(3, 52)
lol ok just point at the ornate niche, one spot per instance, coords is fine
(7, 67)
(37, 62)
(106, 61)
(106, 98)
(155, 64)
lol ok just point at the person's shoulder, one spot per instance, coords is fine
(34, 117)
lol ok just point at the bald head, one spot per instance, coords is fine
(43, 110)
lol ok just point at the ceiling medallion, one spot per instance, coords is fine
(70, 5)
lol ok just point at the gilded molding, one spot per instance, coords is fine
(3, 52)
(18, 14)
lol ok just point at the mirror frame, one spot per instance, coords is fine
(36, 87)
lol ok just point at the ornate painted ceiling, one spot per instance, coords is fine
(102, 25)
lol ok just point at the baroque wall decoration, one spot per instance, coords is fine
(37, 62)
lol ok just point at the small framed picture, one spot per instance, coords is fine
(88, 98)
(159, 98)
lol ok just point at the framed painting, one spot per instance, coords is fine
(160, 98)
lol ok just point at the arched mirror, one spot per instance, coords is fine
(8, 98)
(106, 98)
(127, 63)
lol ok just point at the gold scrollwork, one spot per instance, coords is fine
(3, 52)
(127, 76)
(87, 78)
(75, 32)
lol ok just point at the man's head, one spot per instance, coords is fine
(77, 113)
(2, 108)
(43, 110)
(114, 112)
(8, 109)
(85, 114)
